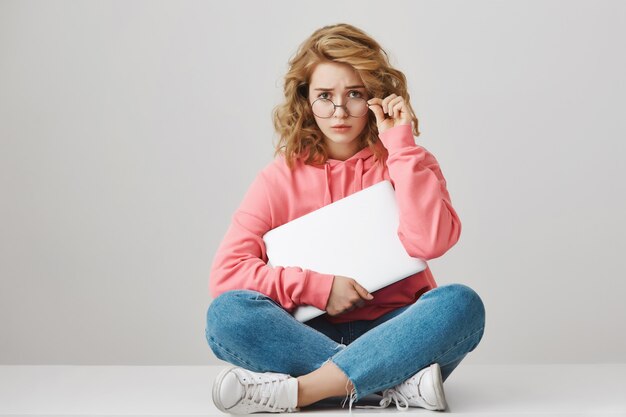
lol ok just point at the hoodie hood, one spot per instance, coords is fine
(358, 163)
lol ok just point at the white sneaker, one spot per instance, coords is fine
(239, 391)
(424, 389)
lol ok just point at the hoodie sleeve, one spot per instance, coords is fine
(429, 226)
(241, 260)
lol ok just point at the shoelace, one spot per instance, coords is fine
(400, 394)
(265, 388)
(389, 395)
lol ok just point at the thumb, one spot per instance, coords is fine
(363, 292)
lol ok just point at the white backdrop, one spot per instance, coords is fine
(129, 132)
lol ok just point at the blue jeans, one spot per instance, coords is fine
(251, 330)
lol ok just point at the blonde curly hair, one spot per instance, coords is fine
(300, 137)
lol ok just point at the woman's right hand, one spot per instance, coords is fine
(345, 295)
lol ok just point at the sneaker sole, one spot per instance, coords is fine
(216, 389)
(435, 370)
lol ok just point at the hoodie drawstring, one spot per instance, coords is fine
(327, 196)
(356, 186)
(358, 178)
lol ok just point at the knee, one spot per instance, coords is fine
(228, 311)
(467, 302)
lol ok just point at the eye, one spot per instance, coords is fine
(358, 93)
(321, 94)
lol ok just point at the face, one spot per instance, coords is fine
(338, 82)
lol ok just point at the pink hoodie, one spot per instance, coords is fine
(428, 227)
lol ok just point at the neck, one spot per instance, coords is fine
(342, 152)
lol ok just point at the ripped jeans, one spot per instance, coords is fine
(251, 330)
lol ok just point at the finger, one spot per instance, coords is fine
(398, 111)
(386, 101)
(375, 100)
(363, 292)
(376, 107)
(395, 105)
(402, 114)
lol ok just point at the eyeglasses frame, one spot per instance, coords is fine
(337, 105)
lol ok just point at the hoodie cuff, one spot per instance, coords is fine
(317, 287)
(398, 137)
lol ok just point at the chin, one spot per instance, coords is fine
(333, 136)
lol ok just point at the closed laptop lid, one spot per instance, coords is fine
(356, 237)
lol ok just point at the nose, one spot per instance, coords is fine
(340, 110)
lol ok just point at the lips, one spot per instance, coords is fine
(339, 126)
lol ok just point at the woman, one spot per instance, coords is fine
(401, 342)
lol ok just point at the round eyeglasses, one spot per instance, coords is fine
(325, 108)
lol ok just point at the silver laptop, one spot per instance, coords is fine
(356, 237)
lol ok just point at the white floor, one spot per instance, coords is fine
(521, 390)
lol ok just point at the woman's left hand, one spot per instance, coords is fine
(392, 105)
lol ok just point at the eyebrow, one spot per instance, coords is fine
(330, 89)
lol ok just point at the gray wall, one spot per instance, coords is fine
(129, 132)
